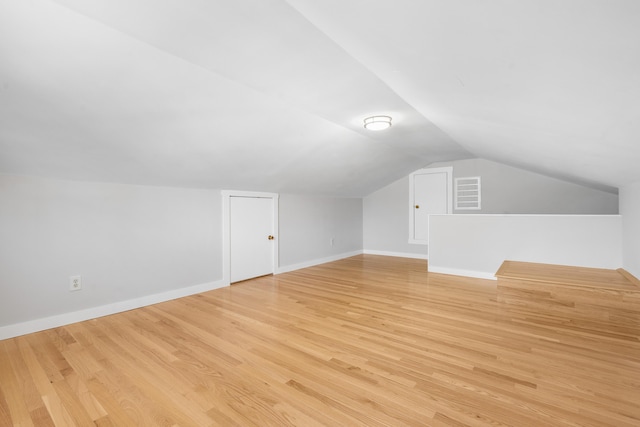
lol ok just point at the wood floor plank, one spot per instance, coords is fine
(566, 275)
(364, 341)
(17, 404)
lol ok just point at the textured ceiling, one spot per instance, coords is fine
(269, 95)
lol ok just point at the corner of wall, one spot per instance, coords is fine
(630, 211)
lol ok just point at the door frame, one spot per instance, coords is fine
(226, 227)
(448, 170)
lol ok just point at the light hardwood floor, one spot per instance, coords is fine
(365, 341)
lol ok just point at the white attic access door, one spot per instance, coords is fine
(250, 230)
(430, 192)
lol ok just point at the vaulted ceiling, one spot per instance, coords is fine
(270, 95)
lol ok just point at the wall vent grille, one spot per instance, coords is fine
(468, 193)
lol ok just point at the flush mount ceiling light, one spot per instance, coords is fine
(377, 122)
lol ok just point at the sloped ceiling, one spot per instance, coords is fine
(269, 95)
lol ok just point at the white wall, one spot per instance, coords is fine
(630, 211)
(307, 225)
(386, 222)
(509, 190)
(127, 242)
(504, 190)
(135, 245)
(476, 245)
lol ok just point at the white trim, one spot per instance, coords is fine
(63, 319)
(459, 272)
(417, 242)
(396, 254)
(448, 170)
(234, 193)
(479, 215)
(226, 220)
(293, 267)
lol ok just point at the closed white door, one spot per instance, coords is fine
(430, 197)
(251, 237)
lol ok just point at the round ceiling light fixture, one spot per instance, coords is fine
(377, 122)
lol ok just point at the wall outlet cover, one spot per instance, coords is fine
(75, 283)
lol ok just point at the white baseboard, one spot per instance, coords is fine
(397, 254)
(293, 267)
(58, 320)
(460, 272)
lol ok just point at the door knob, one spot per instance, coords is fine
(417, 206)
(270, 237)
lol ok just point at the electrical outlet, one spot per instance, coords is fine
(75, 283)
